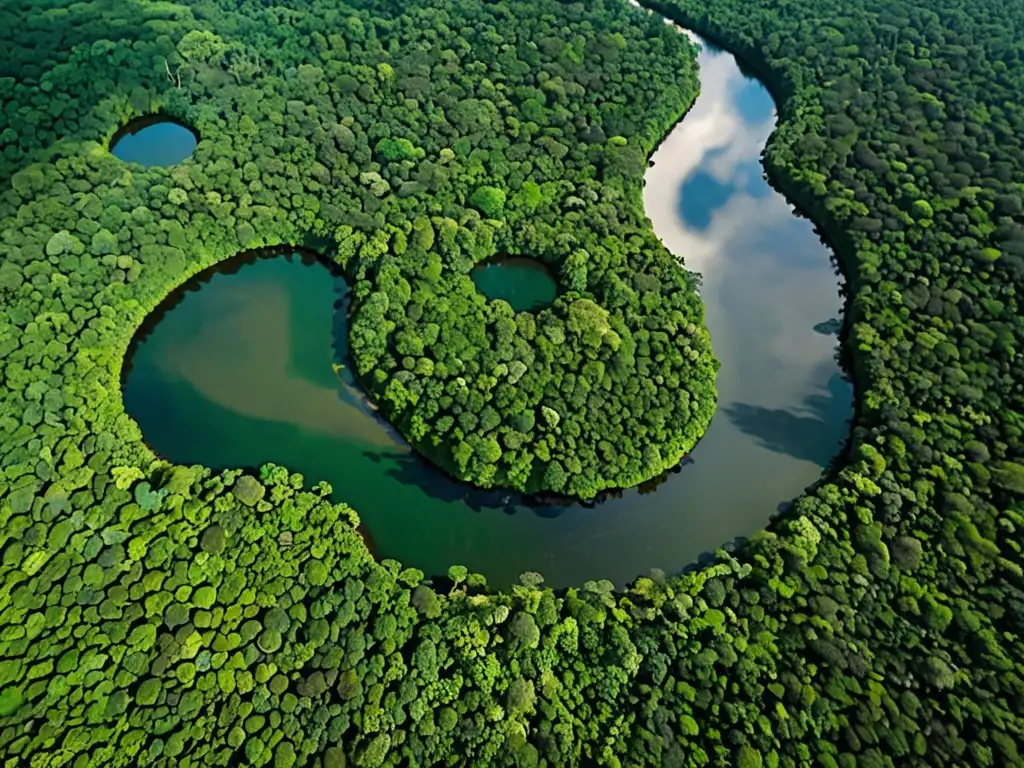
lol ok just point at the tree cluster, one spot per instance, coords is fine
(165, 615)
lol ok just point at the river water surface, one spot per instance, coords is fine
(242, 367)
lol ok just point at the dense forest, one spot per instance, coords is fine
(418, 145)
(165, 615)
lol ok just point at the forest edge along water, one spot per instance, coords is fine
(157, 140)
(783, 400)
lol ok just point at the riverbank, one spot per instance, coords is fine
(782, 406)
(805, 203)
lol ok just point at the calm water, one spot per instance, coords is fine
(526, 284)
(153, 141)
(241, 372)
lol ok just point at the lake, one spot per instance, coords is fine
(526, 284)
(153, 140)
(240, 368)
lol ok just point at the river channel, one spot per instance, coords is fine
(242, 367)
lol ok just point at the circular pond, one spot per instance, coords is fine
(526, 284)
(154, 140)
(248, 365)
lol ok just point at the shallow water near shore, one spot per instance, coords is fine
(250, 365)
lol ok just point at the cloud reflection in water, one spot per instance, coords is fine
(764, 281)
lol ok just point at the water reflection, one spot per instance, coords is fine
(527, 284)
(806, 433)
(153, 140)
(703, 195)
(255, 377)
(830, 327)
(238, 351)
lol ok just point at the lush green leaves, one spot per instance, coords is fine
(156, 614)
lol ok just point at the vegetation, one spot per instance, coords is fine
(164, 615)
(419, 144)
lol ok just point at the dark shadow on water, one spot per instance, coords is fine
(830, 327)
(350, 391)
(371, 545)
(412, 469)
(811, 433)
(409, 468)
(146, 121)
(745, 69)
(704, 559)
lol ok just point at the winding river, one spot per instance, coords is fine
(241, 367)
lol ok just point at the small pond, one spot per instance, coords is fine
(242, 368)
(526, 284)
(154, 140)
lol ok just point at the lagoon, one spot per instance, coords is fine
(526, 284)
(154, 141)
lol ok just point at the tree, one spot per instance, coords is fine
(523, 631)
(588, 320)
(248, 490)
(521, 696)
(749, 757)
(11, 700)
(1009, 475)
(458, 574)
(395, 150)
(202, 46)
(574, 271)
(489, 200)
(555, 476)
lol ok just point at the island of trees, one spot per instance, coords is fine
(165, 615)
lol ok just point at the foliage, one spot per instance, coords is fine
(155, 617)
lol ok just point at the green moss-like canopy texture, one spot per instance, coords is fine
(157, 615)
(415, 144)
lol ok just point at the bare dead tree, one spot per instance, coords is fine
(174, 78)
